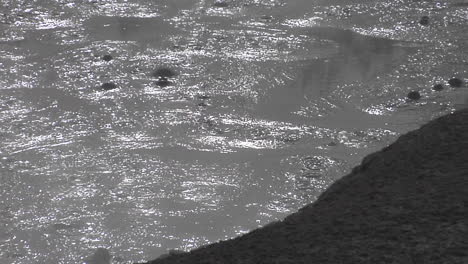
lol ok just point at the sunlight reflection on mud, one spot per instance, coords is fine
(269, 103)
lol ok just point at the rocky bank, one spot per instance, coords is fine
(407, 203)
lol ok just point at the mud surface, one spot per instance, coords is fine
(404, 204)
(143, 126)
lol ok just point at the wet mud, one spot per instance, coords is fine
(191, 121)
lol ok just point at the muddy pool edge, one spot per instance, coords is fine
(407, 203)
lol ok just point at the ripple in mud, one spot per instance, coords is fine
(290, 137)
(312, 163)
(260, 133)
(310, 172)
(164, 72)
(154, 30)
(61, 226)
(212, 125)
(363, 138)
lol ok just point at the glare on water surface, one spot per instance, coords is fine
(262, 105)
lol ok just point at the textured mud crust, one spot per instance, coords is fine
(407, 203)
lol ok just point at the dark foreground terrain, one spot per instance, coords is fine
(407, 203)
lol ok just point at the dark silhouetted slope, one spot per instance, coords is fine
(407, 203)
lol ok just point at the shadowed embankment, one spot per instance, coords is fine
(407, 203)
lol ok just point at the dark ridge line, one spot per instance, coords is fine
(407, 203)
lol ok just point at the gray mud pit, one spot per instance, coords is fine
(272, 102)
